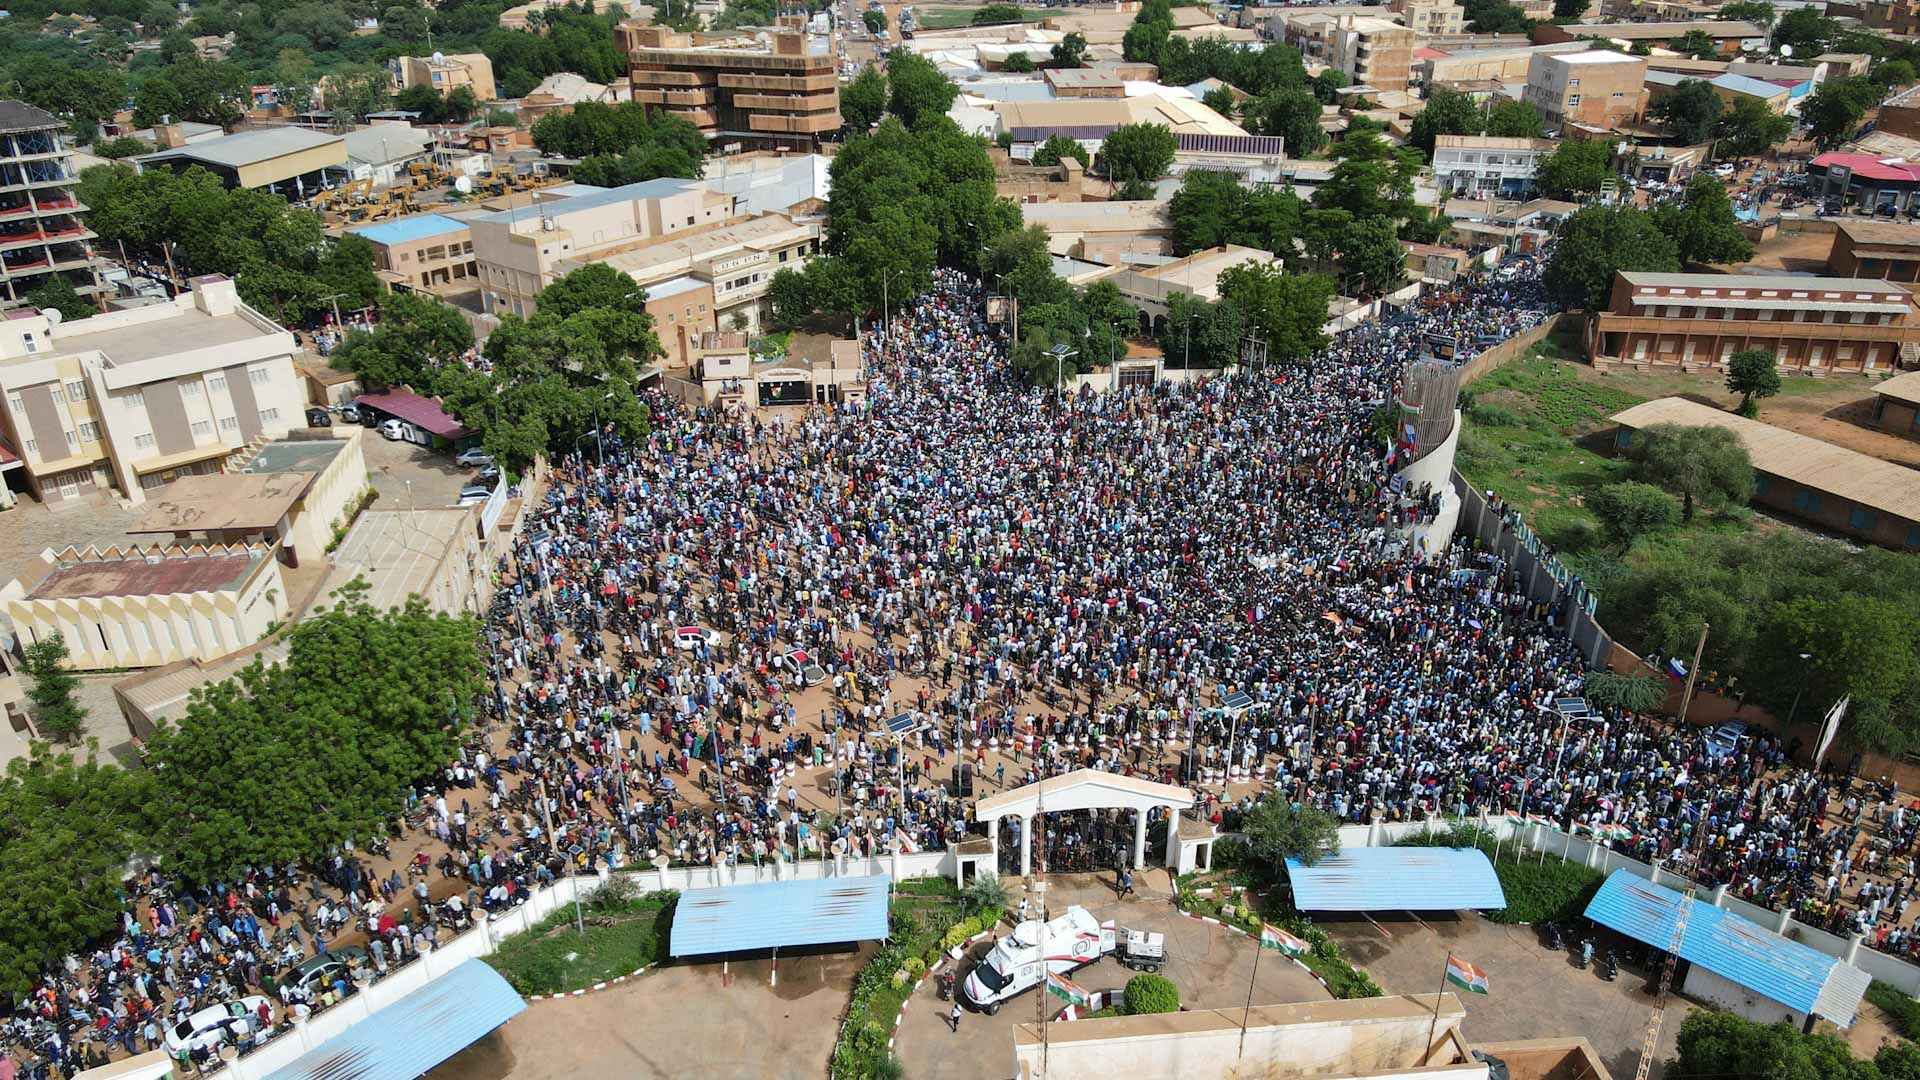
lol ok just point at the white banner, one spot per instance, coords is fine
(1829, 728)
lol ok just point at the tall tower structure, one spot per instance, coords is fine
(41, 228)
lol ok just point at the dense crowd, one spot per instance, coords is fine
(745, 637)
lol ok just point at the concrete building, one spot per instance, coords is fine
(732, 86)
(1088, 121)
(1434, 64)
(144, 607)
(682, 310)
(762, 183)
(1104, 232)
(438, 555)
(1431, 18)
(1730, 38)
(736, 261)
(290, 161)
(1254, 159)
(1597, 87)
(723, 372)
(1866, 181)
(291, 495)
(135, 399)
(1373, 52)
(1151, 289)
(445, 73)
(423, 252)
(42, 231)
(518, 252)
(1837, 489)
(1488, 166)
(1896, 405)
(1875, 249)
(1697, 321)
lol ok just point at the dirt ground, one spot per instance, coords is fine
(1795, 253)
(1209, 964)
(698, 1020)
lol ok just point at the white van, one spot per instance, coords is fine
(1071, 941)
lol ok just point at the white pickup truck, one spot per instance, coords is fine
(1071, 941)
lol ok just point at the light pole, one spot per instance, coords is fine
(886, 317)
(1804, 657)
(599, 444)
(1060, 354)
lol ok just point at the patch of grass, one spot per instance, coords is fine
(622, 935)
(925, 916)
(1537, 891)
(1899, 1006)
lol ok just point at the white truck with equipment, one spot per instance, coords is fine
(1067, 943)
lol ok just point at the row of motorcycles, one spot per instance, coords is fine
(1606, 965)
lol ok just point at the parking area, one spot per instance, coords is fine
(1536, 992)
(704, 1020)
(1209, 964)
(404, 471)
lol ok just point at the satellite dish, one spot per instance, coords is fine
(463, 185)
(53, 316)
(1786, 50)
(439, 57)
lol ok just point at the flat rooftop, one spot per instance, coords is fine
(296, 456)
(249, 501)
(755, 234)
(397, 552)
(164, 575)
(185, 330)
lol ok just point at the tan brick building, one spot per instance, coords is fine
(1372, 51)
(1599, 88)
(1696, 322)
(732, 87)
(1875, 249)
(445, 73)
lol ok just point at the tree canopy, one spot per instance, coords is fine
(918, 88)
(1277, 830)
(1754, 374)
(1597, 242)
(596, 130)
(1702, 225)
(1576, 167)
(1704, 464)
(1287, 310)
(1690, 111)
(416, 335)
(1137, 152)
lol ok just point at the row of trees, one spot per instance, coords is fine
(1599, 241)
(1450, 112)
(280, 765)
(622, 144)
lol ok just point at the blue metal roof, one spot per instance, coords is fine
(1741, 951)
(742, 918)
(1397, 879)
(414, 1034)
(414, 228)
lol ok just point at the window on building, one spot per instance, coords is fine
(1913, 536)
(268, 416)
(89, 431)
(59, 395)
(1863, 519)
(33, 447)
(258, 376)
(143, 442)
(19, 404)
(1573, 99)
(202, 429)
(216, 382)
(192, 388)
(229, 423)
(73, 441)
(77, 390)
(1761, 482)
(135, 400)
(1806, 502)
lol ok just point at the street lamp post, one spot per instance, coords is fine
(1060, 354)
(1804, 657)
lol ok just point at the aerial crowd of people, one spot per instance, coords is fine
(765, 635)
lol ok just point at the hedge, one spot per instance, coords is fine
(1148, 994)
(918, 935)
(1325, 959)
(1900, 1008)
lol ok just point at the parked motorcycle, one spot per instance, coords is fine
(1608, 966)
(1554, 941)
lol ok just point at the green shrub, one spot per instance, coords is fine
(915, 967)
(1901, 1009)
(1537, 893)
(1148, 994)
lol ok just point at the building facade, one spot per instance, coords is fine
(736, 262)
(1488, 166)
(134, 399)
(1875, 249)
(1896, 405)
(1373, 52)
(1698, 321)
(733, 88)
(1431, 18)
(445, 73)
(422, 252)
(42, 231)
(1598, 88)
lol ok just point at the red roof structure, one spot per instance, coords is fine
(1868, 167)
(421, 412)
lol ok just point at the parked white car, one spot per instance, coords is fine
(396, 430)
(227, 1022)
(686, 637)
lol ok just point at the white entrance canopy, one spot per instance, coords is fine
(1082, 789)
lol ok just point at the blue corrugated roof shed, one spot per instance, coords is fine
(418, 227)
(780, 914)
(1739, 950)
(414, 1034)
(1398, 879)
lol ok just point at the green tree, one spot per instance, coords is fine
(919, 89)
(997, 13)
(1201, 335)
(1750, 128)
(1836, 106)
(1018, 63)
(937, 174)
(1704, 464)
(1597, 242)
(1698, 44)
(55, 711)
(790, 297)
(1892, 73)
(1860, 646)
(875, 21)
(1148, 994)
(1147, 40)
(1372, 262)
(1277, 830)
(55, 292)
(1628, 510)
(417, 334)
(1058, 147)
(69, 828)
(1071, 51)
(1515, 120)
(1328, 83)
(1633, 693)
(1570, 10)
(1690, 111)
(1221, 100)
(1702, 225)
(1806, 29)
(1137, 152)
(1373, 179)
(125, 146)
(1496, 17)
(1717, 1044)
(1288, 310)
(1754, 374)
(1576, 167)
(864, 100)
(1448, 112)
(1758, 12)
(1294, 115)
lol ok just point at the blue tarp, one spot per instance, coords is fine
(414, 1034)
(780, 914)
(1739, 950)
(1398, 879)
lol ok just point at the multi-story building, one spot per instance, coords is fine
(520, 251)
(1488, 166)
(134, 399)
(1875, 249)
(1597, 88)
(1373, 52)
(422, 252)
(41, 230)
(734, 88)
(445, 73)
(1730, 37)
(1698, 321)
(736, 260)
(1431, 18)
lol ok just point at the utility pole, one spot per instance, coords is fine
(1693, 673)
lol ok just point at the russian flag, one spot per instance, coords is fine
(1676, 669)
